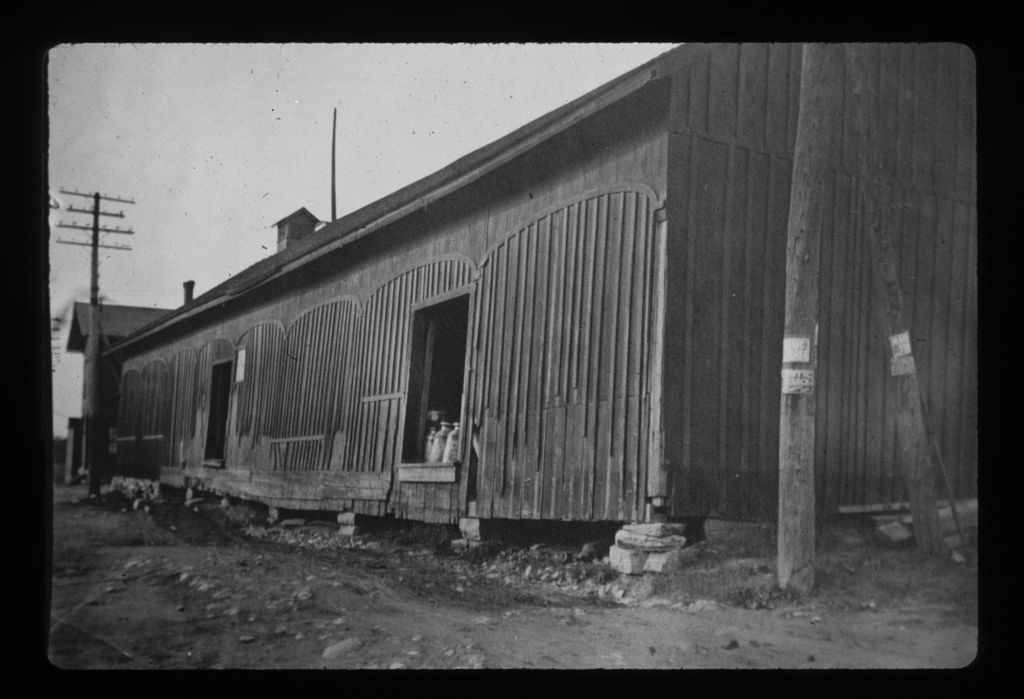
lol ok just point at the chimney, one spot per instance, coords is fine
(295, 227)
(189, 288)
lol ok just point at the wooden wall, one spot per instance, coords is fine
(317, 420)
(734, 110)
(560, 362)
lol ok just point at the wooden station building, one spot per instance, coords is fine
(597, 298)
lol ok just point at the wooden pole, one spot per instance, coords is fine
(93, 439)
(334, 182)
(799, 356)
(911, 431)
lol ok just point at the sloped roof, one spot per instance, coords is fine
(419, 194)
(116, 322)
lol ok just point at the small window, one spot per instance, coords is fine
(436, 373)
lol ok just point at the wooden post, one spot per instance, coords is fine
(93, 435)
(912, 434)
(799, 357)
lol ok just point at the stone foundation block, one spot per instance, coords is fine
(349, 530)
(657, 529)
(346, 518)
(663, 562)
(631, 540)
(628, 561)
(469, 527)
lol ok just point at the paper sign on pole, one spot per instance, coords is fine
(797, 381)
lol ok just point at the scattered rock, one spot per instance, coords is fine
(247, 639)
(593, 550)
(341, 647)
(700, 605)
(396, 666)
(732, 645)
(303, 593)
(895, 532)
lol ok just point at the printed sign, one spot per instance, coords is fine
(797, 381)
(240, 366)
(900, 344)
(796, 349)
(902, 366)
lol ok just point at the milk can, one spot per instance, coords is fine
(440, 440)
(451, 448)
(430, 444)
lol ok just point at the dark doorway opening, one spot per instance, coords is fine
(436, 373)
(220, 393)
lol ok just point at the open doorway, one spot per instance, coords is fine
(436, 373)
(220, 393)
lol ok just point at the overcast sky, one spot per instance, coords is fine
(216, 142)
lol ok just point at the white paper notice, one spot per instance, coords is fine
(902, 366)
(900, 344)
(797, 381)
(796, 349)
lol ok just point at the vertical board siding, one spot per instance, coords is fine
(257, 395)
(184, 405)
(729, 195)
(372, 417)
(144, 421)
(294, 386)
(559, 356)
(128, 424)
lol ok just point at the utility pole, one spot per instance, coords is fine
(94, 440)
(911, 430)
(815, 125)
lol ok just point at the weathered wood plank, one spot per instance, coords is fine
(751, 105)
(427, 473)
(603, 508)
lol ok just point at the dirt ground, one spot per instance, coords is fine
(171, 586)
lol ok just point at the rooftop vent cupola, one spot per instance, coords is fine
(294, 227)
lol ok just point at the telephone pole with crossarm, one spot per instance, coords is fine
(94, 440)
